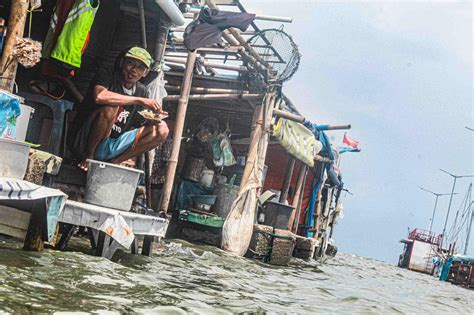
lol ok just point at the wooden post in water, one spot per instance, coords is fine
(36, 228)
(325, 221)
(287, 180)
(16, 26)
(319, 170)
(178, 131)
(298, 198)
(336, 205)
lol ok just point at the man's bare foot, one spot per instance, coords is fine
(84, 165)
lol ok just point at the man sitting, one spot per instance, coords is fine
(108, 126)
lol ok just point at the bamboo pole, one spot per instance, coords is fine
(253, 61)
(317, 213)
(254, 139)
(16, 26)
(178, 132)
(327, 212)
(266, 129)
(237, 39)
(202, 77)
(161, 37)
(296, 221)
(259, 138)
(257, 16)
(287, 180)
(298, 194)
(202, 90)
(182, 29)
(287, 115)
(147, 155)
(335, 213)
(209, 97)
(301, 119)
(141, 18)
(219, 57)
(324, 223)
(208, 64)
(319, 158)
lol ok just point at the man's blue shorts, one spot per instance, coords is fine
(110, 148)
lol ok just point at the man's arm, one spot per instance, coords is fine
(102, 96)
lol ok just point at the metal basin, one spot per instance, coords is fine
(112, 186)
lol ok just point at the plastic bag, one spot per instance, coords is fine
(222, 151)
(9, 111)
(156, 88)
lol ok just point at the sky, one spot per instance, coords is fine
(400, 72)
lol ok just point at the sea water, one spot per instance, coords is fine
(186, 278)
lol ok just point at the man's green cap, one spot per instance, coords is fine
(140, 54)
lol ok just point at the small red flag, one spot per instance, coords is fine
(350, 142)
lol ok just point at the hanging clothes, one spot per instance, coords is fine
(208, 27)
(297, 140)
(69, 30)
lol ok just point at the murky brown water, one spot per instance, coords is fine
(205, 280)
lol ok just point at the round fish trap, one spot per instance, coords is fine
(278, 51)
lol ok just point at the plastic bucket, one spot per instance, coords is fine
(112, 186)
(277, 215)
(207, 177)
(13, 158)
(22, 122)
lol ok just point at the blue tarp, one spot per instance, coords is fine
(329, 167)
(464, 259)
(443, 276)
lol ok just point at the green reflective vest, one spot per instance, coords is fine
(74, 35)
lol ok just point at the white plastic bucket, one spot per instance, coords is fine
(13, 158)
(22, 122)
(110, 185)
(207, 177)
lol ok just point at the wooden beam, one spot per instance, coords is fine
(14, 222)
(287, 181)
(297, 197)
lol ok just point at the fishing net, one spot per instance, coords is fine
(279, 51)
